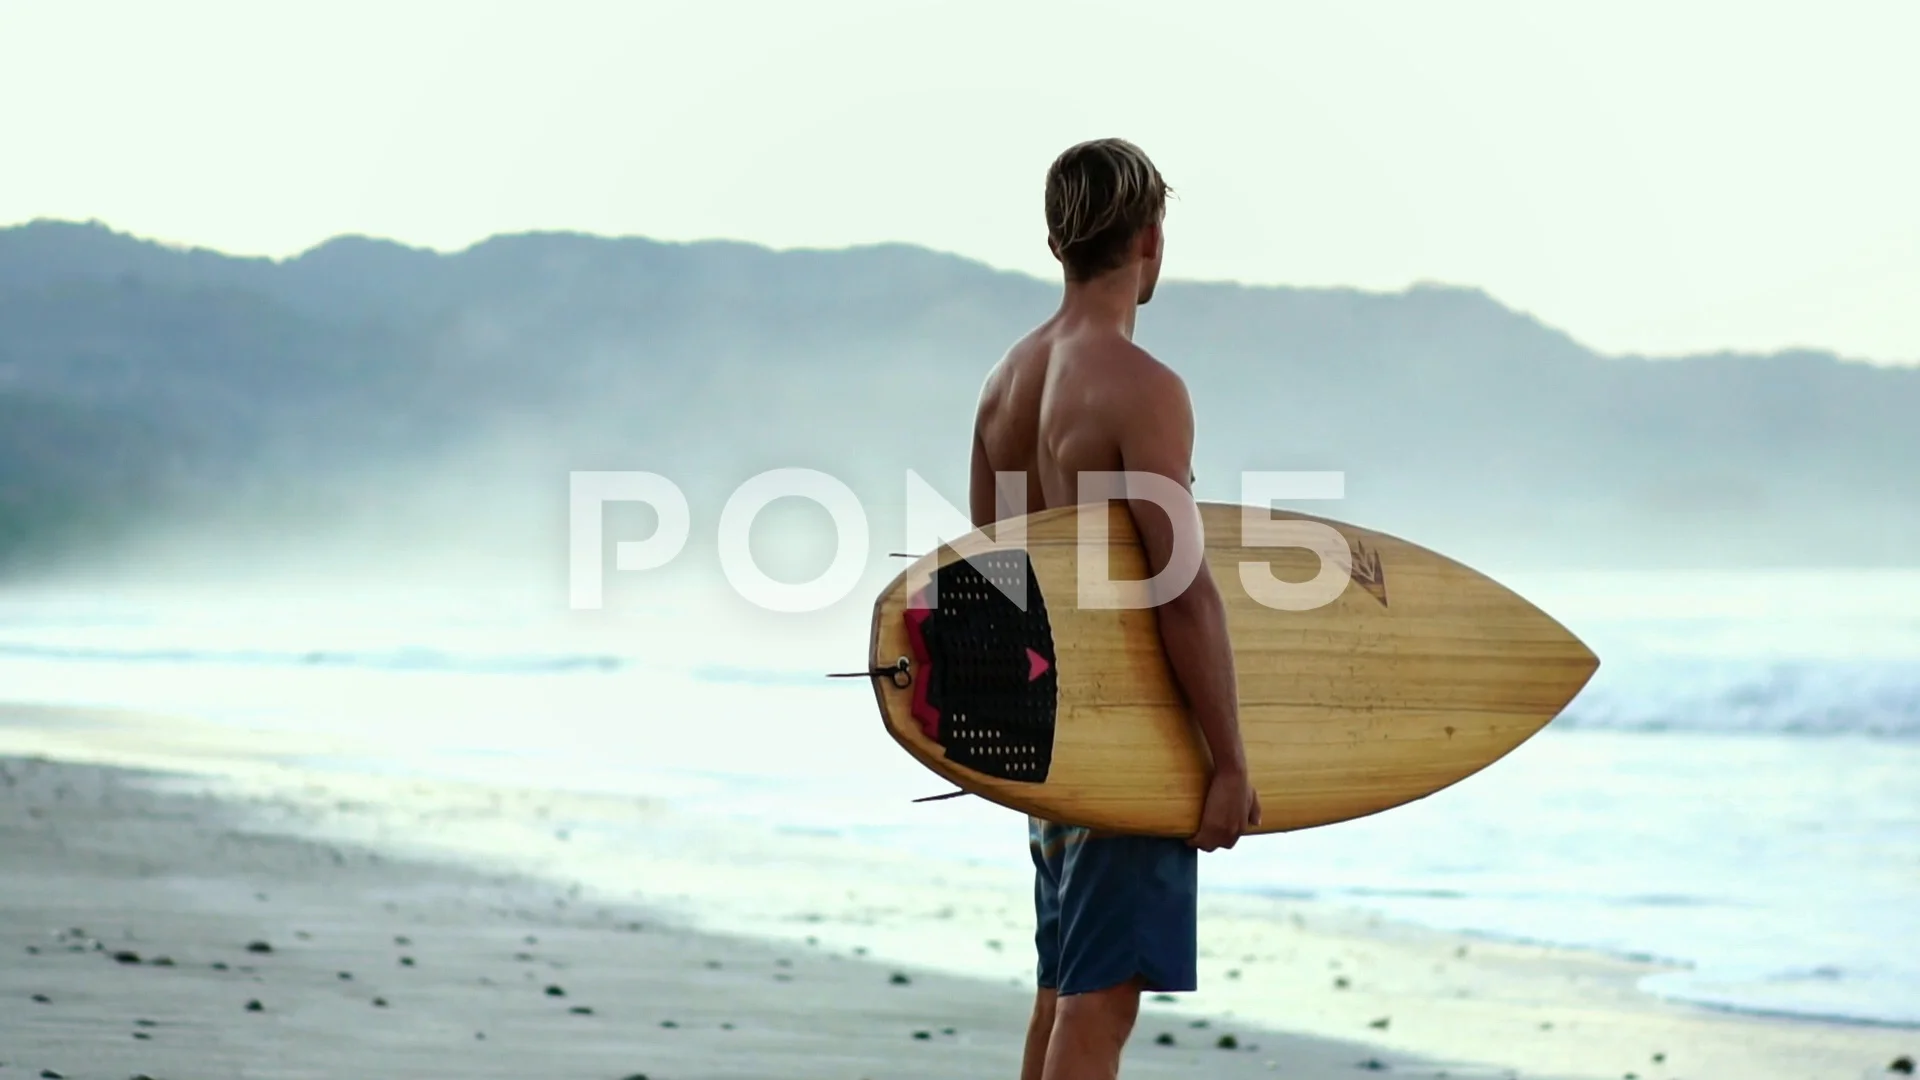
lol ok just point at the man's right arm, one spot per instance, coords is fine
(1155, 435)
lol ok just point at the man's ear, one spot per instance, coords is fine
(1150, 241)
(1053, 245)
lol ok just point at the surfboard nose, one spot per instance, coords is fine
(1576, 657)
(1589, 665)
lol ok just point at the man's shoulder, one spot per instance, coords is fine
(1137, 374)
(1127, 364)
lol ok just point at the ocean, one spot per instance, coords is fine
(1737, 791)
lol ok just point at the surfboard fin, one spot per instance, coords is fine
(900, 674)
(949, 795)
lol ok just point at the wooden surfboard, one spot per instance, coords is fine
(1418, 673)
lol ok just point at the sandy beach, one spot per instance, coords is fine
(169, 911)
(154, 933)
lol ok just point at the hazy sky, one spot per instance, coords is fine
(1663, 177)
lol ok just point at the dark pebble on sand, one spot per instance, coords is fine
(43, 999)
(346, 976)
(726, 1025)
(161, 961)
(406, 961)
(218, 965)
(948, 1031)
(1658, 1058)
(1165, 999)
(1381, 1023)
(531, 940)
(523, 956)
(142, 1036)
(713, 965)
(146, 1023)
(126, 957)
(1197, 1024)
(555, 991)
(255, 1006)
(1165, 1038)
(668, 1024)
(923, 1034)
(303, 935)
(581, 1010)
(49, 1074)
(1233, 973)
(635, 1076)
(1341, 983)
(379, 1003)
(401, 940)
(259, 947)
(1373, 1065)
(1228, 1042)
(1902, 1065)
(899, 979)
(33, 950)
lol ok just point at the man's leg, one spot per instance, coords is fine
(1044, 843)
(1039, 1033)
(1089, 1032)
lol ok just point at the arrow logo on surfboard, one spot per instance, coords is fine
(1036, 665)
(1368, 573)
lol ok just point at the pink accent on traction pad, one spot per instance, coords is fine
(923, 710)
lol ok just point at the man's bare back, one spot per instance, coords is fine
(1054, 408)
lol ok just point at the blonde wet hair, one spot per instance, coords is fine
(1100, 194)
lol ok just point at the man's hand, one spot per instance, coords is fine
(1231, 808)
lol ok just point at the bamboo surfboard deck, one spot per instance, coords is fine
(1419, 673)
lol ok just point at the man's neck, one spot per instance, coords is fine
(1112, 299)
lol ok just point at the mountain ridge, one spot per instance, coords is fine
(1457, 418)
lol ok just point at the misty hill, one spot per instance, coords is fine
(142, 384)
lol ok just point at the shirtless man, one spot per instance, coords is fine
(1116, 914)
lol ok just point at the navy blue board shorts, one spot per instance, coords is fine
(1110, 908)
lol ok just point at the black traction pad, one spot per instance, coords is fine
(986, 686)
